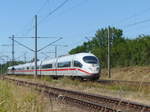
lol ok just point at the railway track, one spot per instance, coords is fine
(135, 83)
(86, 101)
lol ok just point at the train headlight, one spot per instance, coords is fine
(94, 65)
(90, 69)
(97, 68)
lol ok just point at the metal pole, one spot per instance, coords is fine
(13, 52)
(109, 72)
(25, 57)
(56, 51)
(35, 58)
(56, 58)
(2, 65)
(7, 62)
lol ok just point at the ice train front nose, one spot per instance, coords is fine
(92, 65)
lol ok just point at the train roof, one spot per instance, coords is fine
(60, 58)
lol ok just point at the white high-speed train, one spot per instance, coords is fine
(81, 65)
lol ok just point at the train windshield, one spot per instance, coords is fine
(90, 59)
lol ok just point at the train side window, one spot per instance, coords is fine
(38, 67)
(13, 68)
(77, 64)
(90, 59)
(47, 66)
(64, 64)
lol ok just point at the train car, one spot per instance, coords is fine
(81, 65)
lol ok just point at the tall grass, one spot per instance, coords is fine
(15, 98)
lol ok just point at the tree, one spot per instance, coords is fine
(124, 52)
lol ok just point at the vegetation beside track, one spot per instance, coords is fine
(14, 98)
(132, 73)
(137, 93)
(133, 93)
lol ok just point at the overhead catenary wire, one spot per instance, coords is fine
(80, 3)
(135, 15)
(42, 7)
(24, 45)
(54, 10)
(129, 25)
(136, 23)
(30, 23)
(50, 13)
(32, 20)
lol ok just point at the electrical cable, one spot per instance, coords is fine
(136, 23)
(135, 15)
(54, 10)
(50, 13)
(31, 22)
(42, 7)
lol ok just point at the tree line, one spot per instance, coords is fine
(124, 51)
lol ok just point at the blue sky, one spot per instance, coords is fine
(76, 20)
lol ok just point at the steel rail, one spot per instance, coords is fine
(99, 99)
(83, 104)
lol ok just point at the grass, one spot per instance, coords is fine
(17, 99)
(134, 93)
(14, 98)
(137, 93)
(132, 73)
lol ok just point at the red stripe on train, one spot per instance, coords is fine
(66, 69)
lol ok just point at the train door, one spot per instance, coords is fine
(56, 68)
(40, 67)
(74, 71)
(77, 66)
(13, 70)
(72, 67)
